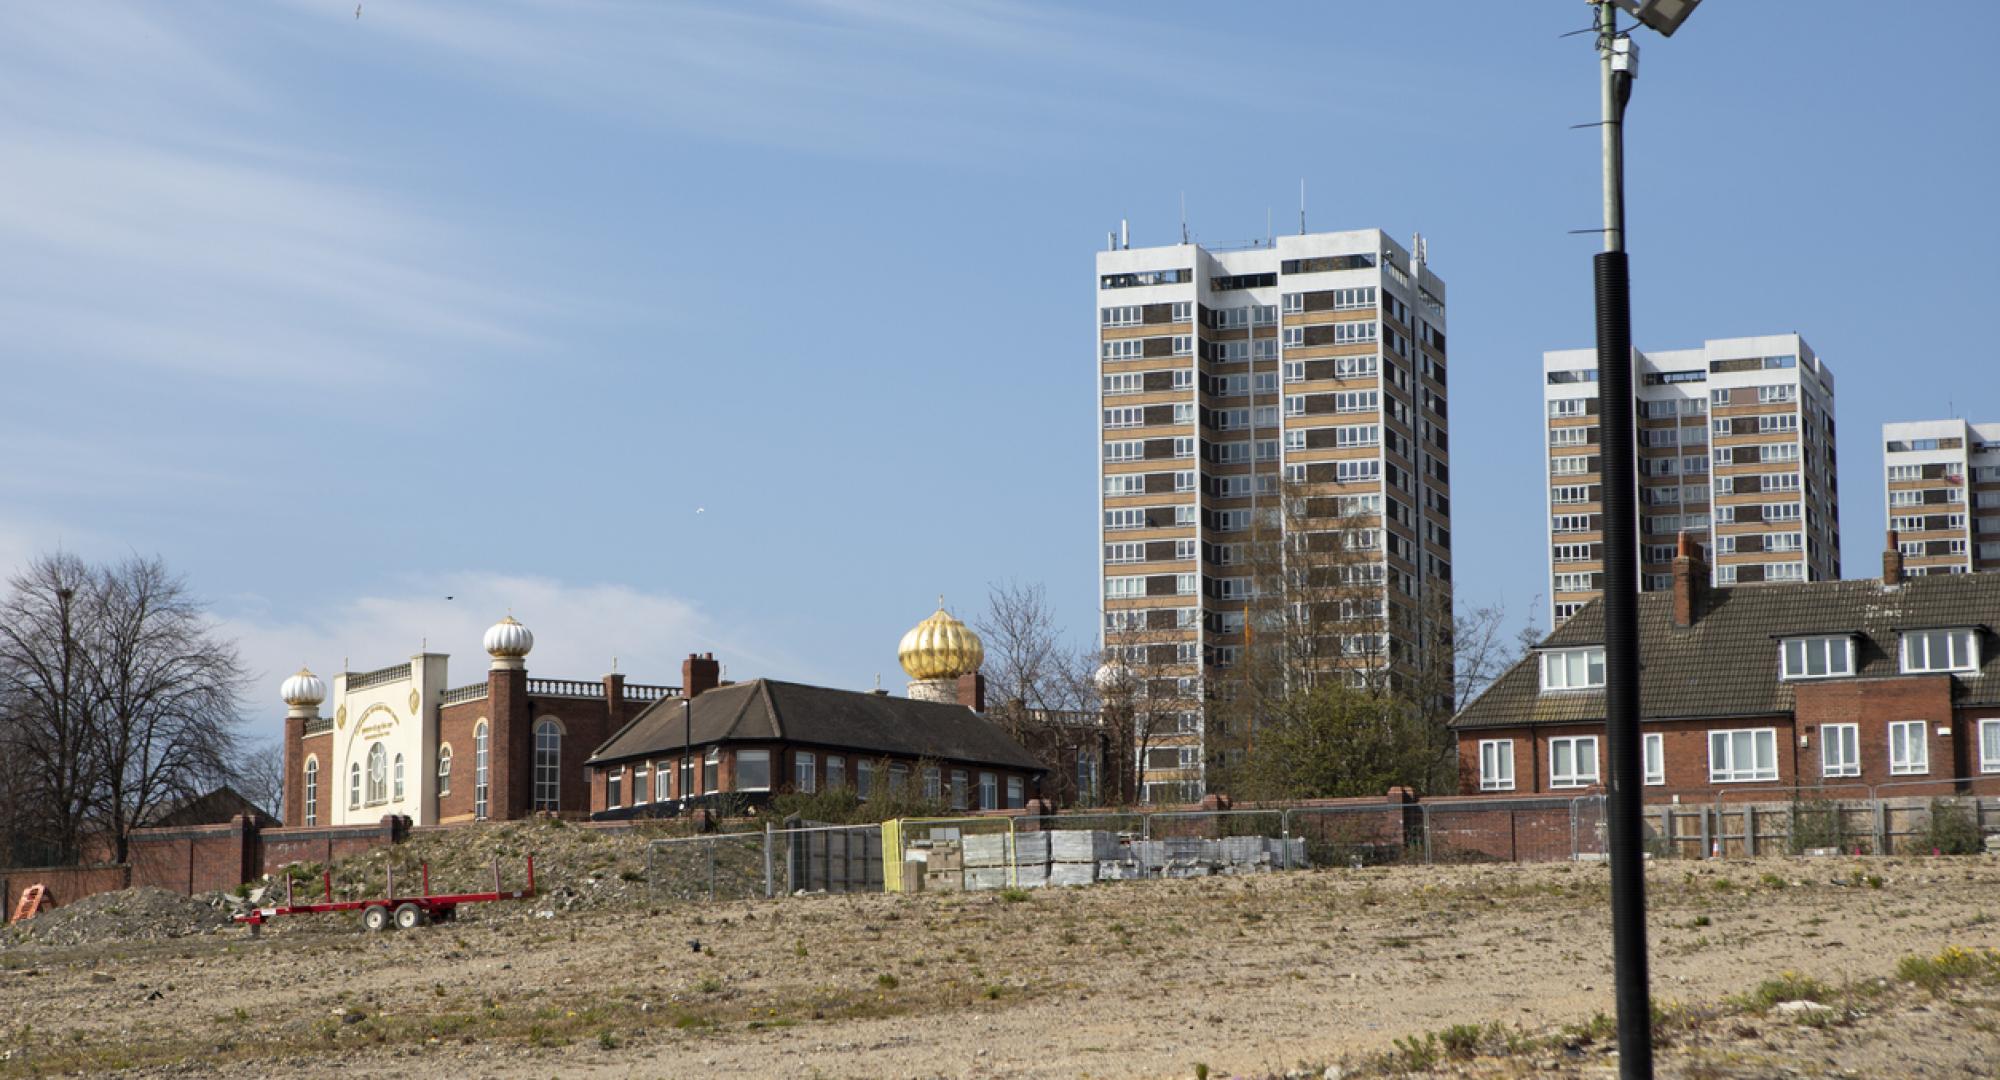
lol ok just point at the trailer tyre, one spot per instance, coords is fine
(409, 917)
(374, 919)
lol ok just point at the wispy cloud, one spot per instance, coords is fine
(579, 630)
(143, 226)
(852, 77)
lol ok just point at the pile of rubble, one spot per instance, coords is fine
(144, 914)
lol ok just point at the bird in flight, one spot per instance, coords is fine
(357, 11)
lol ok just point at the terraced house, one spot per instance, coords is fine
(1833, 687)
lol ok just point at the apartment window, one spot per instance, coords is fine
(1569, 466)
(1570, 493)
(1573, 761)
(1840, 750)
(1719, 397)
(1125, 484)
(1655, 751)
(1295, 337)
(1123, 349)
(312, 791)
(1356, 470)
(1183, 310)
(1736, 757)
(1939, 650)
(1767, 395)
(1183, 344)
(444, 769)
(1348, 401)
(1293, 303)
(1130, 382)
(1575, 552)
(1773, 423)
(805, 773)
(1354, 367)
(1571, 523)
(1125, 416)
(1184, 413)
(1128, 551)
(1817, 657)
(1123, 315)
(1573, 669)
(1125, 588)
(1908, 752)
(1562, 407)
(1570, 436)
(1989, 746)
(1496, 765)
(1573, 582)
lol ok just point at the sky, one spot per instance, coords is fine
(754, 327)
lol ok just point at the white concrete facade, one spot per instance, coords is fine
(1941, 493)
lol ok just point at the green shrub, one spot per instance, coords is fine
(1818, 823)
(1950, 830)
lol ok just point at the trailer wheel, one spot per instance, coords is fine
(410, 916)
(375, 918)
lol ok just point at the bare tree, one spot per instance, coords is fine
(260, 777)
(166, 688)
(116, 695)
(1039, 688)
(46, 624)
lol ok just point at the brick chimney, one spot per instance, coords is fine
(1690, 581)
(1892, 561)
(972, 691)
(699, 674)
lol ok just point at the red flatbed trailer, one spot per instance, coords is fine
(389, 910)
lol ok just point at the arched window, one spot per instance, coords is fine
(312, 791)
(548, 765)
(378, 774)
(479, 773)
(398, 774)
(444, 769)
(354, 786)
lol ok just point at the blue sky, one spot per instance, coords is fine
(487, 299)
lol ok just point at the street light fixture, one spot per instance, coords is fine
(1619, 57)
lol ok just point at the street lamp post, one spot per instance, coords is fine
(1619, 57)
(687, 748)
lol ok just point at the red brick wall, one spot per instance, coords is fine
(199, 858)
(65, 884)
(1872, 705)
(295, 763)
(457, 726)
(1684, 743)
(280, 847)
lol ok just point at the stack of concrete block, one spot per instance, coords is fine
(985, 861)
(944, 868)
(1031, 859)
(1077, 854)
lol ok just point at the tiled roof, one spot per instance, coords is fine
(766, 710)
(1726, 664)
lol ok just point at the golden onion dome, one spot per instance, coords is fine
(940, 647)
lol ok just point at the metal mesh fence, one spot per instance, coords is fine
(723, 866)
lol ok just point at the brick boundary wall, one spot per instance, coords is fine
(66, 884)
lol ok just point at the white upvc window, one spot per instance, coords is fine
(1496, 764)
(1743, 756)
(805, 774)
(1840, 750)
(753, 771)
(1573, 669)
(989, 791)
(614, 783)
(1939, 650)
(1573, 761)
(1909, 752)
(1817, 657)
(1989, 746)
(1655, 747)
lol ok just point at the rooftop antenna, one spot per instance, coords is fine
(1111, 240)
(1302, 206)
(1125, 234)
(1184, 233)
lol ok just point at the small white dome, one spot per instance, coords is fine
(305, 688)
(508, 640)
(1111, 677)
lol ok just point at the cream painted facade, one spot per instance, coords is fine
(395, 709)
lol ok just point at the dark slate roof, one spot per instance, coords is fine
(215, 807)
(1726, 664)
(765, 710)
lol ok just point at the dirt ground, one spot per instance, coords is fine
(1280, 974)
